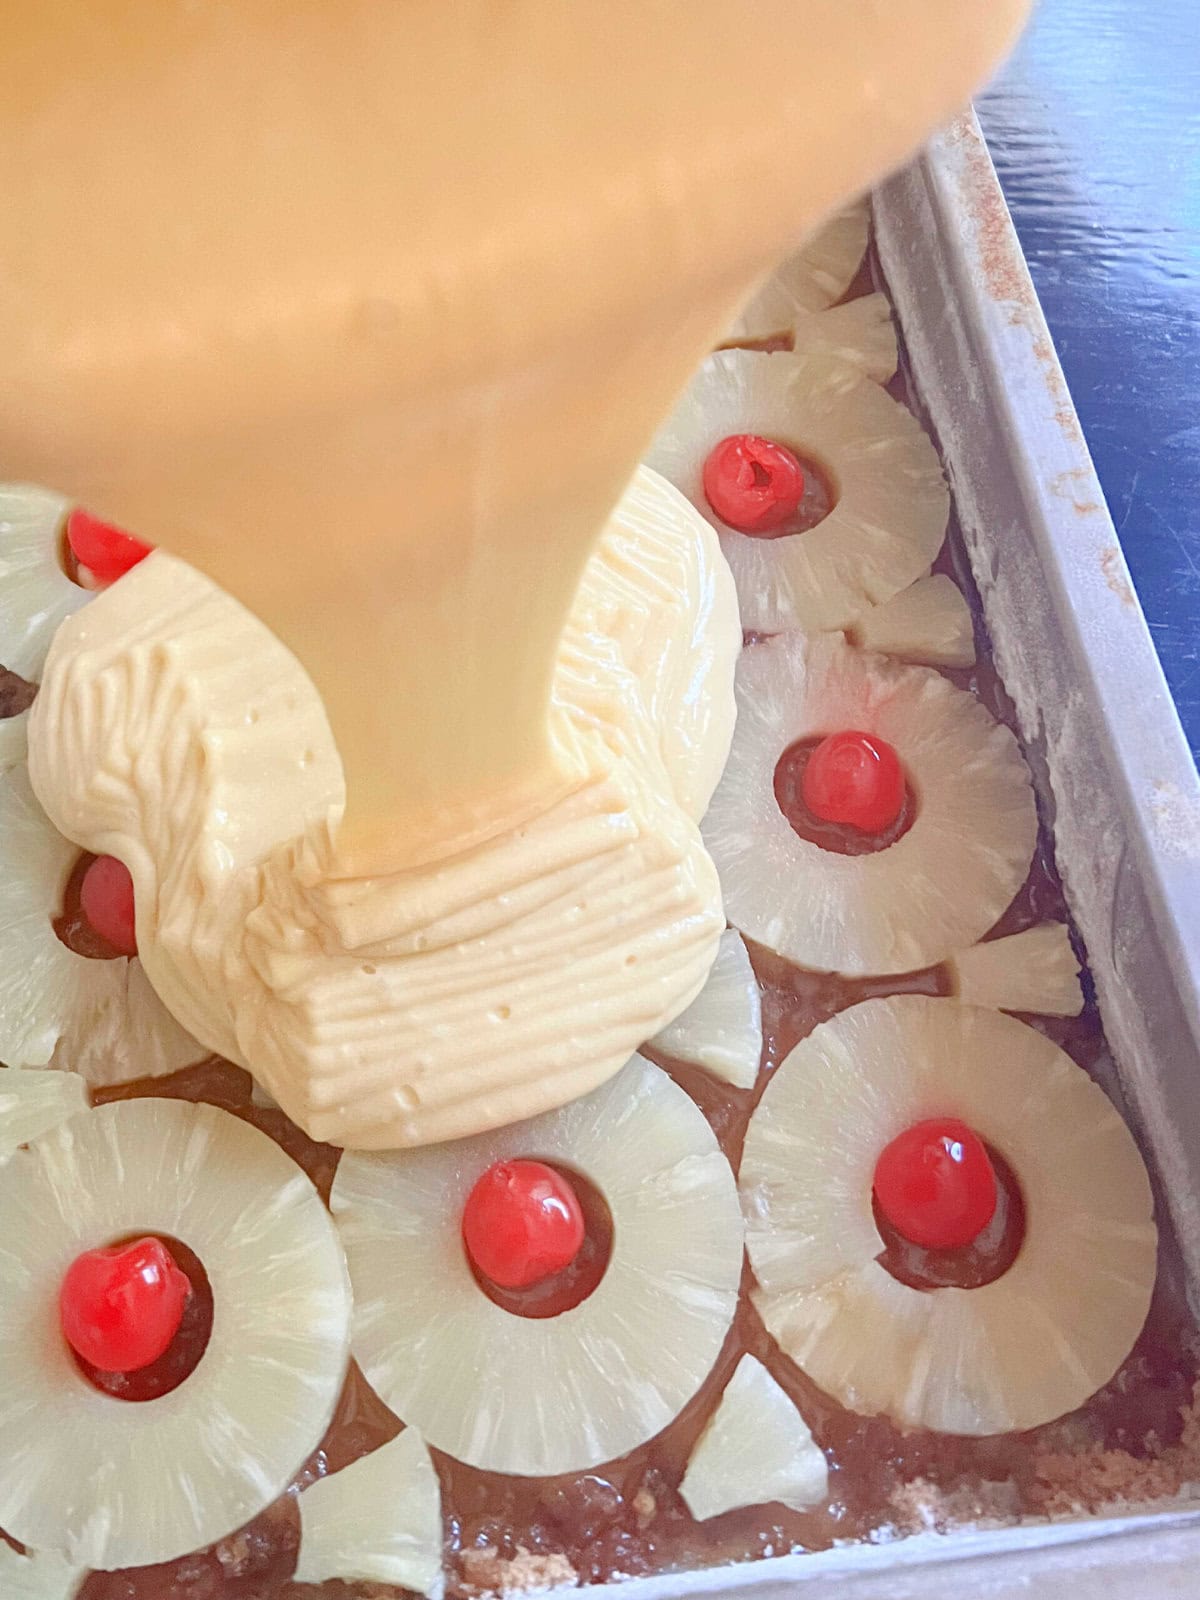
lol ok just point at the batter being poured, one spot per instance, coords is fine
(364, 313)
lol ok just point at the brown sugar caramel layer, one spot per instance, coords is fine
(627, 1517)
(1137, 1438)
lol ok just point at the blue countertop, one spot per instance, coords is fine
(1095, 131)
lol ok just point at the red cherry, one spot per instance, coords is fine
(106, 899)
(753, 484)
(935, 1184)
(120, 1308)
(522, 1223)
(855, 779)
(105, 551)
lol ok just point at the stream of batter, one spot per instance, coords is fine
(364, 312)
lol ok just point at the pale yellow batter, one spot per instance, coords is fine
(383, 1008)
(366, 309)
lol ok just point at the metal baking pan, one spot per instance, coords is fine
(1117, 787)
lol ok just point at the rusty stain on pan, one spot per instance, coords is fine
(1112, 564)
(1065, 486)
(1003, 269)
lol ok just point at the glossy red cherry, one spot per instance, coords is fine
(855, 779)
(753, 484)
(105, 551)
(120, 1308)
(935, 1184)
(522, 1223)
(106, 900)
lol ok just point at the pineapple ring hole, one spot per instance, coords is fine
(575, 1283)
(834, 836)
(182, 1356)
(970, 1266)
(73, 927)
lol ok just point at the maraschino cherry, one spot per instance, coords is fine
(935, 1184)
(108, 553)
(106, 900)
(522, 1223)
(121, 1307)
(854, 779)
(753, 484)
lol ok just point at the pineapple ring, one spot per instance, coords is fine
(35, 593)
(14, 741)
(755, 1448)
(37, 1575)
(562, 1394)
(892, 504)
(941, 886)
(379, 1520)
(113, 1484)
(860, 333)
(814, 277)
(31, 1103)
(1022, 1350)
(721, 1030)
(99, 1018)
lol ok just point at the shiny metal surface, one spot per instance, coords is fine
(1095, 131)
